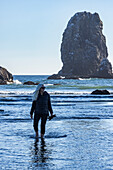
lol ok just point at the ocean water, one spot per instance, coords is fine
(79, 137)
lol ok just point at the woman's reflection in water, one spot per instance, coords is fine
(40, 154)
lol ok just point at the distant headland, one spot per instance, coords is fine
(83, 49)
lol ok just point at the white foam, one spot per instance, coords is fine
(14, 82)
(84, 79)
(17, 82)
(16, 92)
(48, 84)
(9, 82)
(62, 77)
(68, 93)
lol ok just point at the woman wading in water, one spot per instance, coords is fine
(41, 107)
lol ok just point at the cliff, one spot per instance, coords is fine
(5, 76)
(83, 50)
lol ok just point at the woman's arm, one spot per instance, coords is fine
(32, 108)
(49, 105)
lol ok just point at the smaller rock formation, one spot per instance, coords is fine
(102, 92)
(5, 76)
(55, 76)
(1, 110)
(30, 83)
(56, 84)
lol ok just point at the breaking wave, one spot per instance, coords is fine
(15, 82)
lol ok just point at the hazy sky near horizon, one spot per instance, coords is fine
(31, 32)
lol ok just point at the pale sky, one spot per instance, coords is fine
(31, 32)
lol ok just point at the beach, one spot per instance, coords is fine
(79, 137)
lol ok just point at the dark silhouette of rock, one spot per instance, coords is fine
(56, 84)
(83, 49)
(103, 92)
(1, 110)
(30, 83)
(36, 83)
(5, 76)
(57, 76)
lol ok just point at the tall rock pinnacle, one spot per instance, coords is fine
(83, 49)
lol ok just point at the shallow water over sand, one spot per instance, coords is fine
(80, 137)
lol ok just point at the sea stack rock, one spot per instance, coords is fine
(5, 76)
(103, 92)
(83, 49)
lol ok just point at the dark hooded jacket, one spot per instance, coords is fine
(42, 105)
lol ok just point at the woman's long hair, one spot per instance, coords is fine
(36, 92)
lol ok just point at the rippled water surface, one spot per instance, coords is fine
(79, 137)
